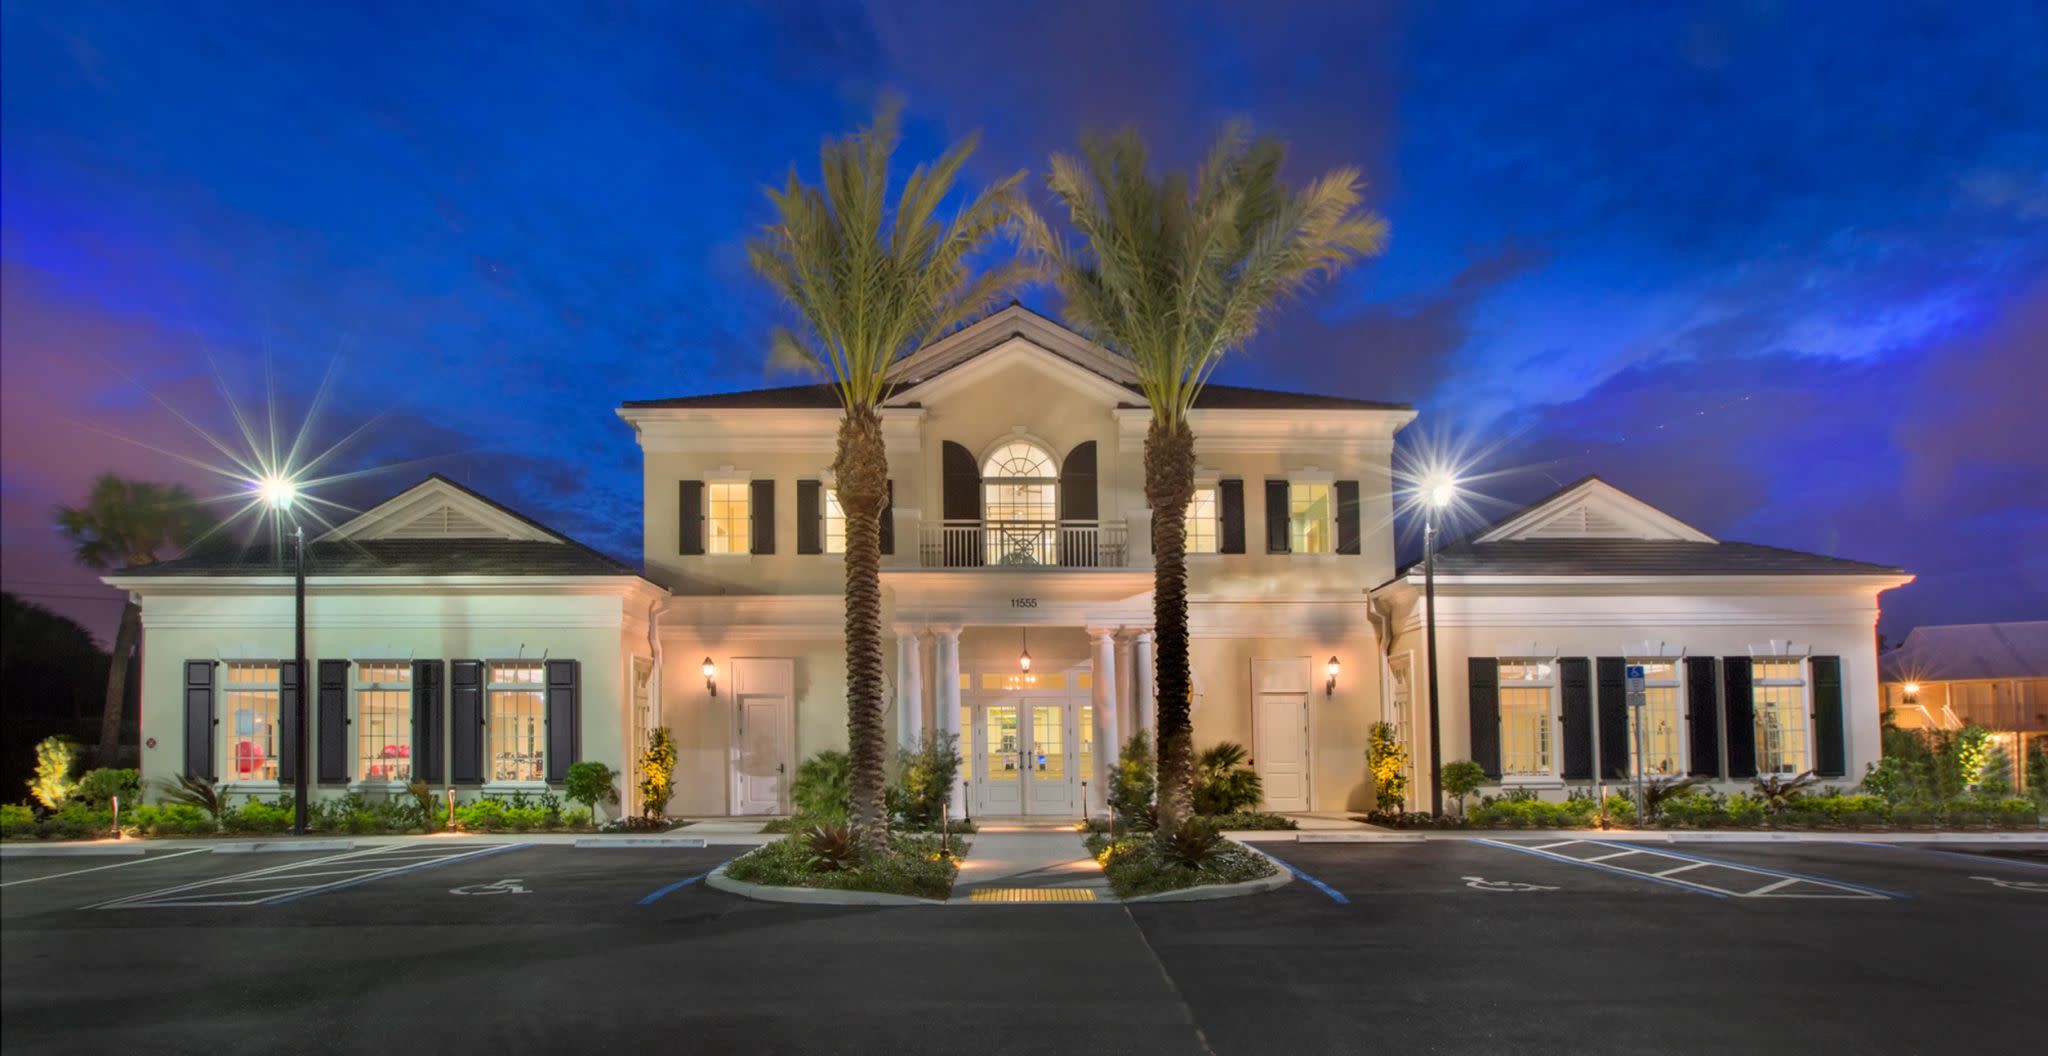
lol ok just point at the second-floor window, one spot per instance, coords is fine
(1201, 520)
(835, 523)
(1020, 501)
(1308, 518)
(729, 521)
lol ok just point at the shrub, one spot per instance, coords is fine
(833, 848)
(823, 786)
(429, 805)
(924, 784)
(167, 819)
(1693, 808)
(657, 774)
(1386, 758)
(1190, 845)
(1134, 865)
(97, 787)
(76, 821)
(56, 761)
(259, 816)
(1223, 784)
(1658, 789)
(1245, 821)
(1777, 791)
(1133, 784)
(1528, 812)
(16, 820)
(1461, 779)
(590, 783)
(912, 865)
(2037, 768)
(1618, 809)
(1745, 810)
(480, 815)
(198, 792)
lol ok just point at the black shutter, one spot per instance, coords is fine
(565, 739)
(466, 722)
(1703, 717)
(961, 546)
(1077, 503)
(1831, 750)
(1483, 692)
(287, 721)
(428, 721)
(1739, 708)
(810, 517)
(1230, 500)
(1276, 517)
(888, 517)
(690, 517)
(1575, 677)
(1615, 761)
(1347, 517)
(761, 507)
(334, 724)
(199, 719)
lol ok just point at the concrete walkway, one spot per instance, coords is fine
(1025, 863)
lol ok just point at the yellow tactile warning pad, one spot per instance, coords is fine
(1032, 894)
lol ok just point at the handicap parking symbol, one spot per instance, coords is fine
(1480, 883)
(496, 887)
(2035, 886)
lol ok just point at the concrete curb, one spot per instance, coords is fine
(1282, 876)
(282, 846)
(1662, 836)
(72, 850)
(810, 896)
(642, 842)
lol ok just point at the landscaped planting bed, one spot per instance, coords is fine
(826, 857)
(1148, 863)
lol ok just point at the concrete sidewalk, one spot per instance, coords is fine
(1020, 863)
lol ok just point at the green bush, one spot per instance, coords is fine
(1695, 809)
(657, 774)
(590, 783)
(913, 865)
(76, 821)
(1619, 809)
(924, 784)
(481, 815)
(1528, 812)
(1386, 759)
(167, 819)
(1744, 810)
(16, 820)
(1461, 779)
(56, 761)
(258, 816)
(199, 792)
(1133, 784)
(1223, 784)
(1134, 865)
(823, 787)
(2037, 768)
(1247, 821)
(97, 787)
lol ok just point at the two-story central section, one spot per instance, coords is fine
(1017, 572)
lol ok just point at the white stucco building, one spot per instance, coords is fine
(484, 650)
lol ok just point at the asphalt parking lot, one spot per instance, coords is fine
(1522, 943)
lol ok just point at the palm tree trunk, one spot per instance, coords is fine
(109, 751)
(862, 469)
(1169, 485)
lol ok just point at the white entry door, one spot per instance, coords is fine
(998, 760)
(1280, 690)
(764, 756)
(1052, 783)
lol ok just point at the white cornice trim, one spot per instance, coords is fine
(625, 586)
(1347, 432)
(1015, 351)
(1483, 586)
(1015, 321)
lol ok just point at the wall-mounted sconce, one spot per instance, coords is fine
(1912, 692)
(710, 677)
(1330, 684)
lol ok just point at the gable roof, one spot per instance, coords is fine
(1958, 651)
(436, 527)
(996, 331)
(1592, 528)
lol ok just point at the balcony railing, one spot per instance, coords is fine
(1022, 544)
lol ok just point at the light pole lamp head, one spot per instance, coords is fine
(1443, 490)
(278, 493)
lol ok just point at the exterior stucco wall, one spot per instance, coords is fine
(704, 726)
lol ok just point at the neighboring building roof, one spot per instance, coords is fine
(1960, 651)
(436, 527)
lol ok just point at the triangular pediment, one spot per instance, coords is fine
(439, 508)
(999, 331)
(1593, 509)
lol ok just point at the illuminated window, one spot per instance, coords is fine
(730, 525)
(1525, 691)
(1308, 518)
(1778, 688)
(251, 701)
(518, 733)
(1020, 502)
(835, 523)
(1653, 729)
(384, 722)
(1202, 522)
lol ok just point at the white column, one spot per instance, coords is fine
(946, 701)
(1126, 706)
(909, 685)
(1106, 740)
(1142, 680)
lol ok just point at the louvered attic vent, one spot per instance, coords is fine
(443, 523)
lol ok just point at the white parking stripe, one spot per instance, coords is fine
(1680, 869)
(133, 861)
(1781, 884)
(293, 880)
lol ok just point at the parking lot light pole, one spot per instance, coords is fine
(279, 493)
(1440, 495)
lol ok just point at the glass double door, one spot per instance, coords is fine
(1031, 757)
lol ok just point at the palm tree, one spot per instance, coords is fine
(1172, 273)
(870, 281)
(125, 524)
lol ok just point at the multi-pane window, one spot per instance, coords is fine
(1525, 691)
(1653, 728)
(1309, 524)
(1202, 522)
(250, 696)
(384, 722)
(1778, 688)
(729, 524)
(1020, 501)
(835, 523)
(518, 734)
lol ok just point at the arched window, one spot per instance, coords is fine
(1020, 484)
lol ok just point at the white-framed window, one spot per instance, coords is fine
(1311, 523)
(1526, 689)
(1777, 688)
(1654, 730)
(1202, 521)
(384, 722)
(249, 699)
(517, 722)
(1020, 485)
(835, 523)
(729, 519)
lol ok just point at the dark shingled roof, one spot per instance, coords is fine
(1213, 398)
(396, 557)
(1959, 651)
(1638, 557)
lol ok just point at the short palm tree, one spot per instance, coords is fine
(871, 280)
(1173, 273)
(124, 524)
